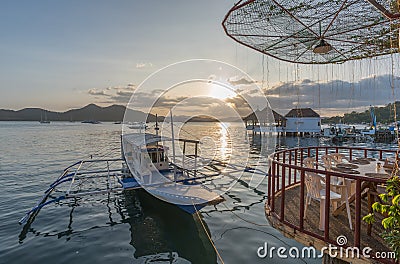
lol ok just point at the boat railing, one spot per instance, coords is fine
(287, 171)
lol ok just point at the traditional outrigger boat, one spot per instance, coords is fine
(185, 181)
(174, 181)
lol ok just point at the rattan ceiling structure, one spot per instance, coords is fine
(316, 31)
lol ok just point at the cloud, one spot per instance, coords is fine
(327, 98)
(332, 97)
(128, 87)
(242, 81)
(113, 94)
(240, 104)
(141, 65)
(164, 101)
(94, 91)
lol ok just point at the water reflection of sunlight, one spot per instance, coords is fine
(225, 142)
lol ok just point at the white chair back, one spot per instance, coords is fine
(337, 157)
(313, 184)
(328, 161)
(309, 162)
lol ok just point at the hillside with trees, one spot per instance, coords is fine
(89, 112)
(383, 114)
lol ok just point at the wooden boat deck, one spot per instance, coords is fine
(339, 224)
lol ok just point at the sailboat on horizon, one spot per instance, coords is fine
(44, 121)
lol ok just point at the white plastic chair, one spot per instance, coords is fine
(339, 184)
(316, 191)
(309, 162)
(338, 157)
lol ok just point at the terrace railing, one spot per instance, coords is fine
(287, 171)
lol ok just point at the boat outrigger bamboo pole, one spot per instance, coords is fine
(73, 177)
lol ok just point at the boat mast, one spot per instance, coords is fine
(156, 128)
(173, 145)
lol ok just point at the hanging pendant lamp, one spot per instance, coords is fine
(322, 47)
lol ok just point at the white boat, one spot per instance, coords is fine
(368, 131)
(137, 125)
(44, 121)
(91, 122)
(174, 180)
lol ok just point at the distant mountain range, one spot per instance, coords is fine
(115, 113)
(111, 113)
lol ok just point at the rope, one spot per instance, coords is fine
(102, 155)
(296, 83)
(263, 73)
(208, 235)
(262, 231)
(352, 87)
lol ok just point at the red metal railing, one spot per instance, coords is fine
(287, 171)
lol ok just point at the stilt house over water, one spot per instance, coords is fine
(261, 126)
(299, 121)
(302, 121)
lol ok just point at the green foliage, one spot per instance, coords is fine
(383, 115)
(390, 208)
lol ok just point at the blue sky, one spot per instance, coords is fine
(65, 54)
(53, 50)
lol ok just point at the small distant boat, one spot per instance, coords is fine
(44, 121)
(339, 133)
(91, 122)
(137, 125)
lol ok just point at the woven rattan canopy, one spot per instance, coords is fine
(316, 31)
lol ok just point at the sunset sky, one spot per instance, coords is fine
(66, 54)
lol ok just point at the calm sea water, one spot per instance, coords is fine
(131, 227)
